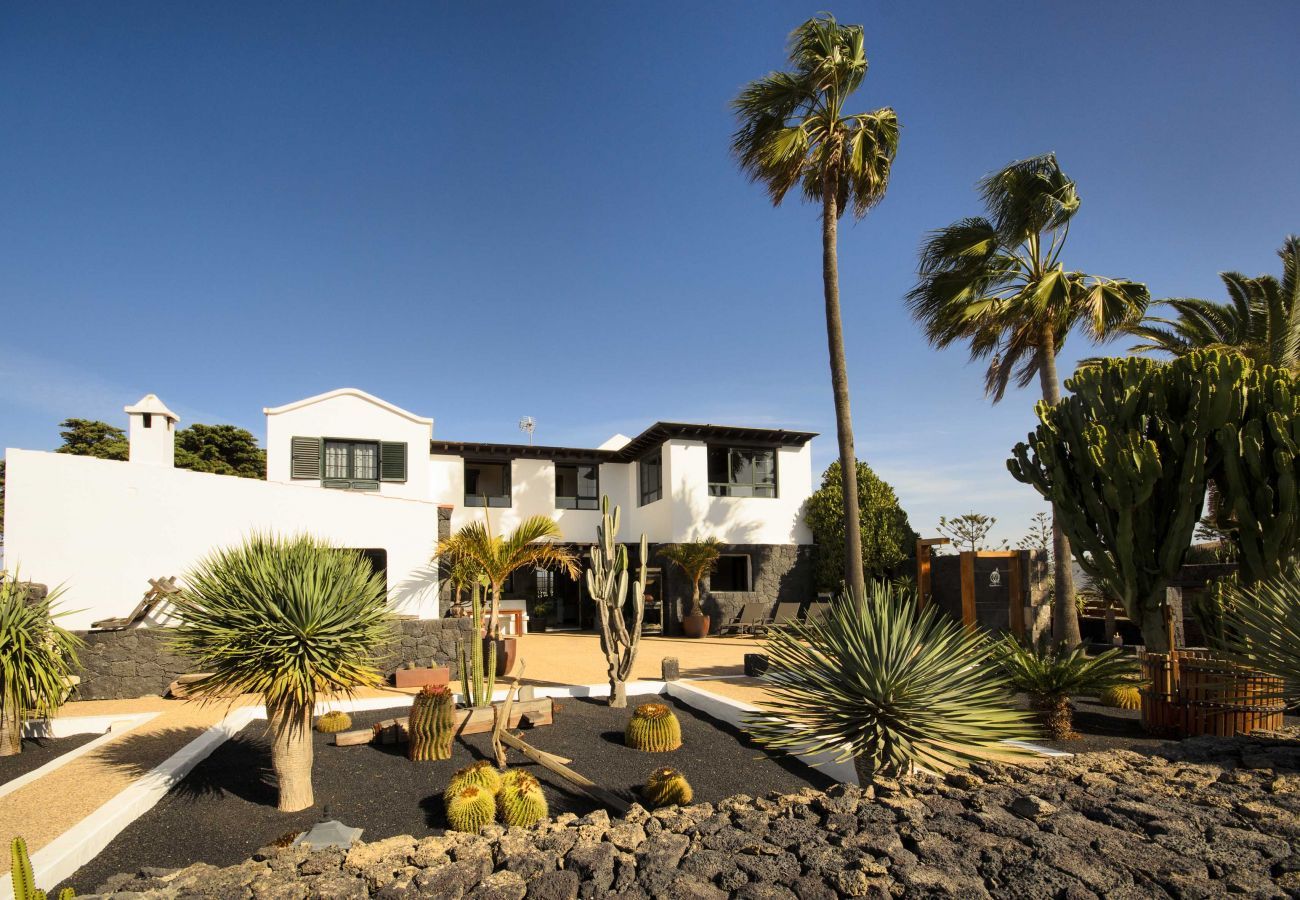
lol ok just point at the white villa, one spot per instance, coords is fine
(363, 473)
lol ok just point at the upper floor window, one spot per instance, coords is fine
(577, 486)
(487, 483)
(345, 463)
(742, 472)
(650, 477)
(352, 460)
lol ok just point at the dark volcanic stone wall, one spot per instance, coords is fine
(780, 573)
(135, 662)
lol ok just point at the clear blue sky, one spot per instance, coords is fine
(483, 211)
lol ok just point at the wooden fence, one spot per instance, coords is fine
(1192, 692)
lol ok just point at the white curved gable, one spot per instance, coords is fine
(348, 392)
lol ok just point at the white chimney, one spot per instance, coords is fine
(152, 432)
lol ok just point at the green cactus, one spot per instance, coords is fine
(23, 880)
(1124, 462)
(521, 801)
(333, 721)
(477, 687)
(607, 585)
(479, 774)
(432, 724)
(653, 728)
(667, 787)
(1124, 696)
(1257, 472)
(470, 808)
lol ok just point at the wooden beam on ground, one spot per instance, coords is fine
(473, 721)
(547, 761)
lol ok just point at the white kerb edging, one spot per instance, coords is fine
(112, 727)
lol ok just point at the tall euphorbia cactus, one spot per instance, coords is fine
(1124, 460)
(1257, 472)
(607, 584)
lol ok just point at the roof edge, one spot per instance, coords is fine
(349, 392)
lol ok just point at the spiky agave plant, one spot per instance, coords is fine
(1051, 675)
(1264, 629)
(521, 801)
(890, 686)
(480, 773)
(667, 787)
(36, 659)
(288, 618)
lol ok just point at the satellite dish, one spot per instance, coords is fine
(528, 424)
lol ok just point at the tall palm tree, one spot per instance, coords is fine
(1261, 319)
(290, 619)
(998, 282)
(534, 543)
(794, 131)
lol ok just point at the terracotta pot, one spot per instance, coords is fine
(695, 626)
(506, 648)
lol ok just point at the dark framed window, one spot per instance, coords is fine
(350, 465)
(742, 471)
(577, 486)
(650, 477)
(487, 483)
(731, 573)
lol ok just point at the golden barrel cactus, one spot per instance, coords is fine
(1124, 696)
(521, 801)
(481, 774)
(333, 722)
(653, 728)
(469, 808)
(667, 787)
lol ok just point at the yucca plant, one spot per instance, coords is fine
(289, 618)
(1051, 675)
(36, 659)
(890, 686)
(1264, 628)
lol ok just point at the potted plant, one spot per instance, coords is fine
(535, 543)
(540, 615)
(696, 559)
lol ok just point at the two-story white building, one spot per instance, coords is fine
(367, 474)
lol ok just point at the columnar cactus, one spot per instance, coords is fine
(477, 688)
(470, 808)
(667, 787)
(1124, 462)
(653, 728)
(432, 724)
(521, 801)
(333, 721)
(607, 585)
(480, 774)
(1257, 472)
(23, 880)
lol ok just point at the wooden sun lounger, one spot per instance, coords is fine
(160, 589)
(816, 612)
(786, 613)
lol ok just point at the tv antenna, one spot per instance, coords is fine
(528, 424)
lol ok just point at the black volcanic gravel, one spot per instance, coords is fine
(37, 752)
(224, 810)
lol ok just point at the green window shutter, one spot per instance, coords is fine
(392, 461)
(305, 458)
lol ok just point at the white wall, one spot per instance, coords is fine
(351, 414)
(738, 520)
(102, 528)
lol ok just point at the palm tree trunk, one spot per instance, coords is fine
(1055, 714)
(853, 575)
(291, 755)
(11, 731)
(1065, 617)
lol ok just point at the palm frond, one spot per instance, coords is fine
(1028, 197)
(36, 655)
(1263, 628)
(1061, 672)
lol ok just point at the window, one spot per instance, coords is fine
(487, 483)
(577, 486)
(731, 573)
(742, 472)
(650, 475)
(351, 465)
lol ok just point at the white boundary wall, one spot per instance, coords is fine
(102, 528)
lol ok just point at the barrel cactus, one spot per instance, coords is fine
(667, 787)
(333, 722)
(1122, 696)
(479, 774)
(432, 724)
(521, 801)
(653, 728)
(469, 808)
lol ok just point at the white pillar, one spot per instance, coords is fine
(151, 432)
